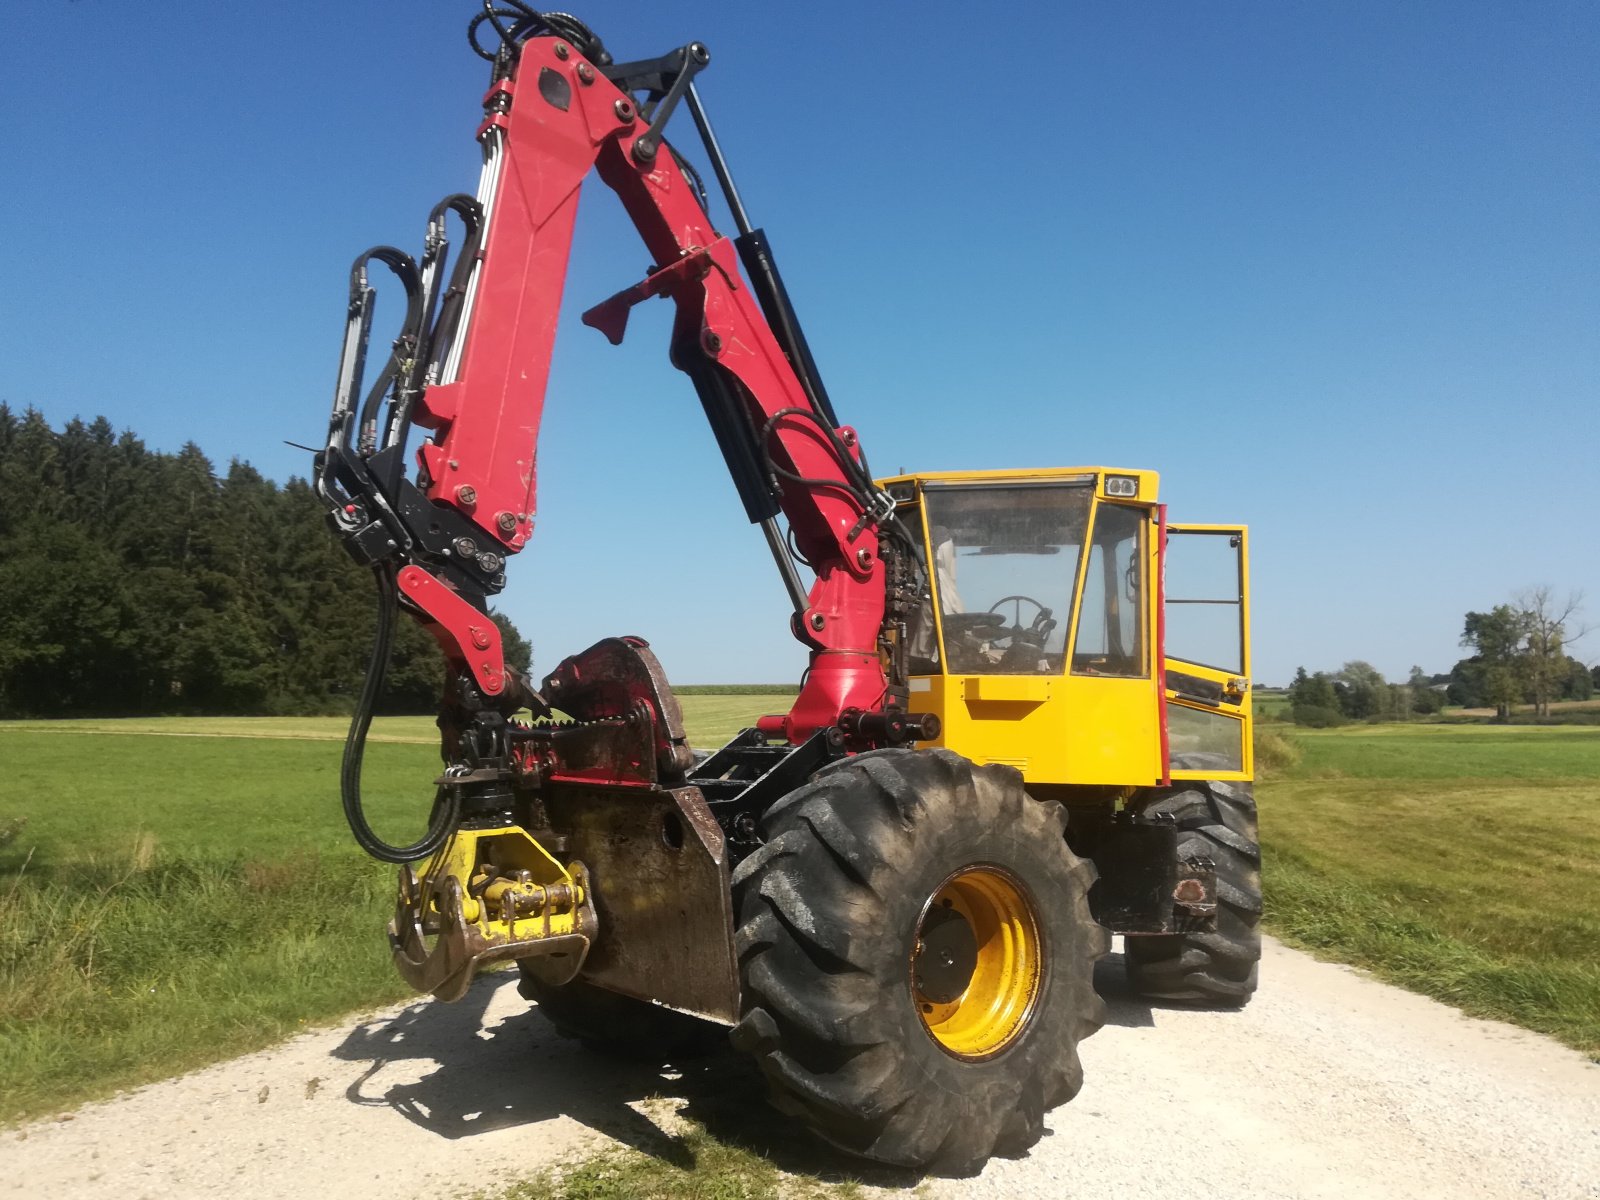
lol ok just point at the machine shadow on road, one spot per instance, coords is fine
(1123, 1007)
(459, 1072)
(489, 1063)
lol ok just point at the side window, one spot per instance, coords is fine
(1205, 599)
(1111, 625)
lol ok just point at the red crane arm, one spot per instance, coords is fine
(551, 120)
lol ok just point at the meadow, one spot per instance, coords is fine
(1459, 861)
(177, 891)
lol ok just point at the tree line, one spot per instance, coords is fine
(1519, 656)
(137, 582)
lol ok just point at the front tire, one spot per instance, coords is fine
(1215, 820)
(916, 957)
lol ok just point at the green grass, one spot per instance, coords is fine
(694, 1165)
(712, 720)
(1469, 752)
(181, 891)
(1460, 861)
(173, 892)
(1271, 706)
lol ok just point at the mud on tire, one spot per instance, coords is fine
(1216, 820)
(828, 912)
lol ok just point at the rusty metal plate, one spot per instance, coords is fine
(658, 866)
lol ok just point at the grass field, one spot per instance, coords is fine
(174, 892)
(1459, 861)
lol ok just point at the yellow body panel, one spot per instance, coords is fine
(1073, 730)
(1081, 724)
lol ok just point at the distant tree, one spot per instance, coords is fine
(1315, 716)
(133, 581)
(1548, 626)
(1465, 687)
(1424, 700)
(1313, 699)
(1494, 674)
(1361, 689)
(1578, 685)
(517, 649)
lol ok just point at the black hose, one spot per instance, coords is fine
(446, 812)
(527, 22)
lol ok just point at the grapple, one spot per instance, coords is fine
(597, 856)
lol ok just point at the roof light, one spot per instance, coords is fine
(1124, 487)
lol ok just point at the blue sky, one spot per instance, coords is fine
(1332, 269)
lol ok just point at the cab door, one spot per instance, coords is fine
(1205, 635)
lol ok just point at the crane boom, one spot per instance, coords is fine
(475, 375)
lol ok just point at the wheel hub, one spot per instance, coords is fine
(977, 963)
(946, 957)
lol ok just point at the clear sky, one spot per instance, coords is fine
(1333, 269)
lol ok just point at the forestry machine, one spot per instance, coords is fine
(1014, 736)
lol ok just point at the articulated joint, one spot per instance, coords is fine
(890, 727)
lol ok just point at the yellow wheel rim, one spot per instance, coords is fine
(977, 964)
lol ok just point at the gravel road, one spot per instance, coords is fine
(1329, 1084)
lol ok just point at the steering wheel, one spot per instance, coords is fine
(1037, 630)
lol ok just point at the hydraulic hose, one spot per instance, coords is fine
(527, 22)
(446, 802)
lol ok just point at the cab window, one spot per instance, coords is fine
(1004, 565)
(1111, 626)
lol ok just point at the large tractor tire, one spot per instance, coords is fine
(1215, 820)
(618, 1025)
(916, 958)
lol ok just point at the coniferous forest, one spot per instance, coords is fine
(136, 582)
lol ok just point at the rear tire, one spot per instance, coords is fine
(618, 1025)
(837, 1012)
(1216, 820)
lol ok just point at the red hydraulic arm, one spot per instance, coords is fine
(551, 118)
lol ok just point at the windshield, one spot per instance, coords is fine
(1005, 565)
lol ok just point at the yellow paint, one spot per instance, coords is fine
(1074, 727)
(1033, 689)
(1007, 977)
(1149, 481)
(501, 871)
